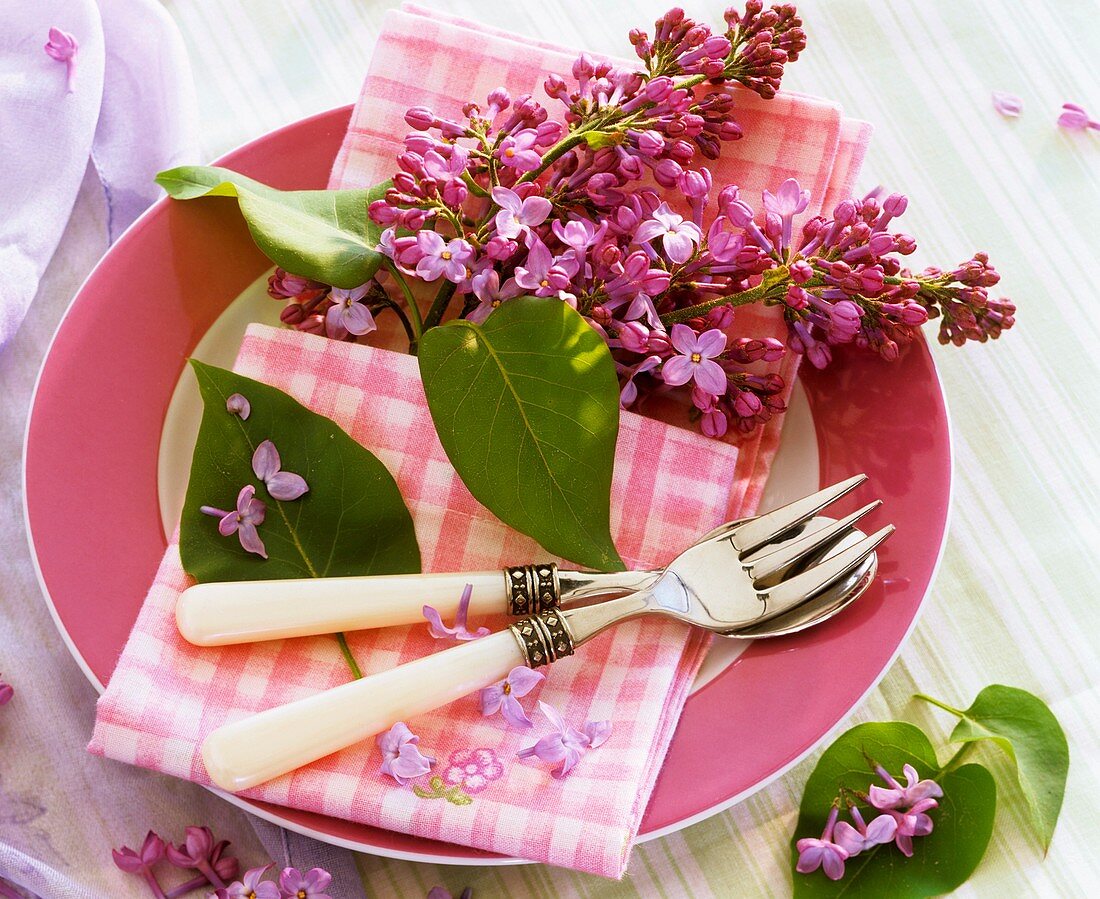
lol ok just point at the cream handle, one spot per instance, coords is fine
(246, 611)
(256, 749)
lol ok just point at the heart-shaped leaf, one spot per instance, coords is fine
(352, 521)
(325, 235)
(1024, 727)
(941, 861)
(527, 408)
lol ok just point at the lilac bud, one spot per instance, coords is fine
(649, 143)
(845, 213)
(500, 248)
(739, 212)
(905, 244)
(634, 336)
(658, 89)
(682, 151)
(600, 315)
(382, 212)
(420, 144)
(880, 243)
(609, 255)
(583, 67)
(720, 317)
(667, 172)
(548, 133)
(555, 87)
(313, 324)
(292, 314)
(421, 118)
(499, 99)
(801, 271)
(895, 204)
(406, 183)
(454, 193)
(747, 404)
(630, 167)
(452, 130)
(797, 297)
(695, 184)
(714, 422)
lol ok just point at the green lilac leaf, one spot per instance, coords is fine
(1025, 728)
(941, 861)
(325, 235)
(527, 408)
(352, 521)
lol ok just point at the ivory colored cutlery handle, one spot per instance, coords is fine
(246, 611)
(256, 749)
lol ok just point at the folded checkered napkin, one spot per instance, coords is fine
(670, 485)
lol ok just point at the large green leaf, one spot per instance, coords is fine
(1024, 727)
(351, 522)
(321, 234)
(527, 408)
(941, 861)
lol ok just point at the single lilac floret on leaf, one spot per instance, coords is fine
(459, 632)
(242, 521)
(862, 836)
(401, 758)
(895, 795)
(63, 47)
(282, 485)
(566, 745)
(1007, 104)
(293, 884)
(1076, 118)
(504, 697)
(822, 853)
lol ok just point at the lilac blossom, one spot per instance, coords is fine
(63, 47)
(677, 236)
(822, 853)
(1007, 104)
(293, 884)
(282, 485)
(517, 151)
(142, 861)
(348, 312)
(7, 691)
(629, 392)
(544, 274)
(251, 886)
(239, 406)
(517, 216)
(490, 294)
(504, 697)
(242, 521)
(442, 258)
(912, 822)
(1076, 118)
(861, 837)
(566, 744)
(894, 796)
(695, 359)
(401, 758)
(459, 632)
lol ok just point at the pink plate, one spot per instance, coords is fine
(95, 528)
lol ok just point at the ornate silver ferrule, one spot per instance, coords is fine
(532, 588)
(543, 638)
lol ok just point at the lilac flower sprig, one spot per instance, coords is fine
(199, 852)
(565, 744)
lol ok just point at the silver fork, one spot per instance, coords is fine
(742, 580)
(217, 614)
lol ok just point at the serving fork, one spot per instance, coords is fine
(218, 614)
(758, 577)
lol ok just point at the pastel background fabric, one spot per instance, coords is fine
(921, 70)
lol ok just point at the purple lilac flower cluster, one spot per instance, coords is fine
(609, 211)
(904, 815)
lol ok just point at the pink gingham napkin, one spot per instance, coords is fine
(165, 695)
(670, 485)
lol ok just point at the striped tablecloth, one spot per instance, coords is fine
(1015, 600)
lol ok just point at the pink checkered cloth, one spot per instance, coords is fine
(670, 485)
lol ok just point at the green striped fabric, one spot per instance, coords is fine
(1016, 598)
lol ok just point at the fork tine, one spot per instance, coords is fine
(752, 535)
(766, 564)
(801, 587)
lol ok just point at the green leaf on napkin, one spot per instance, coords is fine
(325, 235)
(941, 861)
(1025, 728)
(352, 521)
(527, 408)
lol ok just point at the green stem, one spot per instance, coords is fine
(439, 305)
(743, 298)
(414, 310)
(348, 657)
(940, 705)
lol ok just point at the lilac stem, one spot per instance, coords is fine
(153, 885)
(187, 886)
